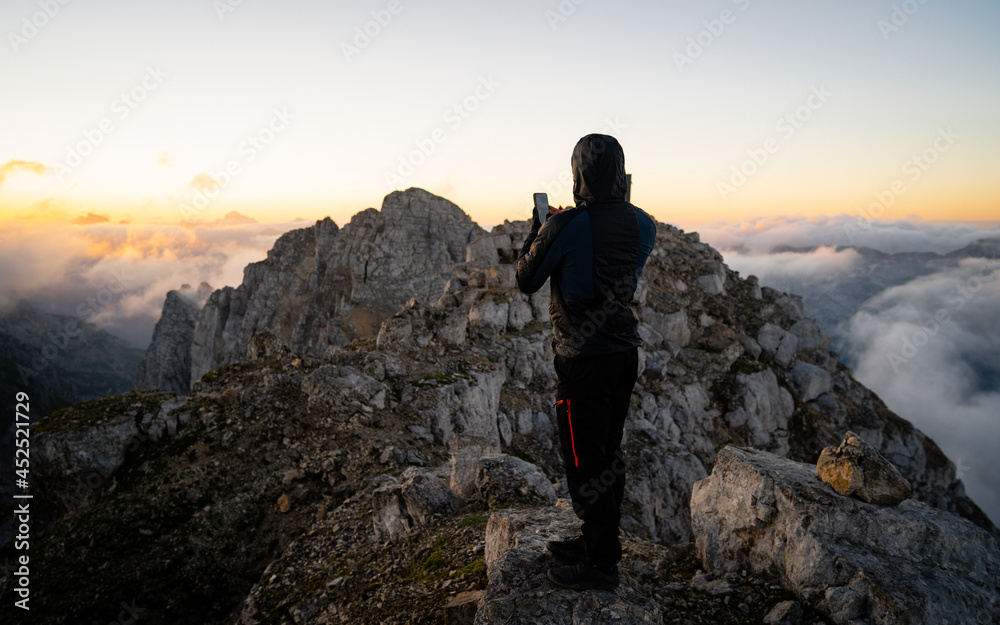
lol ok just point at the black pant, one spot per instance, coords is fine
(592, 400)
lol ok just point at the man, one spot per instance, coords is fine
(594, 253)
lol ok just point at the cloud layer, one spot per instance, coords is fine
(927, 344)
(929, 348)
(764, 234)
(117, 275)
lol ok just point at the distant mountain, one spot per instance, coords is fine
(57, 360)
(87, 361)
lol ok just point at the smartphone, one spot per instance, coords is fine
(542, 206)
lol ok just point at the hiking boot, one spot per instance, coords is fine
(574, 549)
(584, 577)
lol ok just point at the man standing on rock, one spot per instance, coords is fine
(594, 253)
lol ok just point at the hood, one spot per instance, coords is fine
(598, 169)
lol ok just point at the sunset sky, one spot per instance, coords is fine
(129, 111)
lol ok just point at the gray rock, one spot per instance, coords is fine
(810, 336)
(810, 381)
(777, 343)
(488, 312)
(766, 404)
(909, 564)
(785, 613)
(482, 250)
(671, 327)
(166, 364)
(658, 488)
(712, 284)
(519, 592)
(502, 479)
(857, 468)
(389, 514)
(426, 495)
(466, 450)
(324, 285)
(398, 508)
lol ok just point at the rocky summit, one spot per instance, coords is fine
(368, 437)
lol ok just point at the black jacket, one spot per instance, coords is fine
(594, 253)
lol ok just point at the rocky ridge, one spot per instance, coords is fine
(166, 365)
(275, 470)
(326, 285)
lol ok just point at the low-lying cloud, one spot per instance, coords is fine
(764, 234)
(117, 275)
(927, 344)
(929, 348)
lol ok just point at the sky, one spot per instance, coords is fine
(144, 145)
(156, 113)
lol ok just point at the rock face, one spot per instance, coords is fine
(166, 365)
(325, 285)
(74, 462)
(520, 593)
(855, 468)
(855, 561)
(292, 439)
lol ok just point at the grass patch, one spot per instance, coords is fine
(473, 520)
(474, 568)
(746, 366)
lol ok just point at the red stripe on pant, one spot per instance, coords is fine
(569, 418)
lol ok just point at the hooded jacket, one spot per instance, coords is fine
(594, 254)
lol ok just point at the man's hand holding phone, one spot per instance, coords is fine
(542, 210)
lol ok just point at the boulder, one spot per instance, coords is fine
(852, 560)
(777, 343)
(856, 468)
(466, 450)
(810, 381)
(397, 508)
(503, 479)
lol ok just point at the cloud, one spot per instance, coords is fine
(12, 166)
(777, 268)
(163, 158)
(117, 275)
(203, 182)
(764, 234)
(91, 218)
(928, 348)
